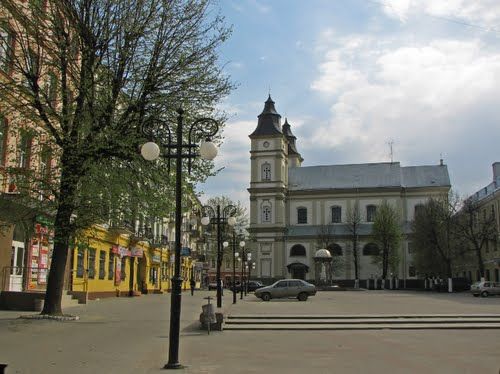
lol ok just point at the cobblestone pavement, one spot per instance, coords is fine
(130, 335)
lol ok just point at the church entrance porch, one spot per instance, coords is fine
(298, 270)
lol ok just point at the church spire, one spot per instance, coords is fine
(269, 120)
(287, 131)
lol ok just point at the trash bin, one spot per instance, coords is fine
(38, 305)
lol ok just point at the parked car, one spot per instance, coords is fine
(287, 288)
(254, 285)
(459, 284)
(485, 289)
(213, 285)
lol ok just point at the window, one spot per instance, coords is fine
(227, 263)
(412, 272)
(497, 278)
(335, 249)
(281, 284)
(419, 209)
(111, 265)
(6, 44)
(266, 213)
(45, 158)
(487, 274)
(336, 214)
(79, 263)
(24, 151)
(3, 138)
(371, 210)
(297, 250)
(102, 264)
(123, 271)
(51, 88)
(301, 215)
(266, 171)
(91, 263)
(411, 248)
(371, 249)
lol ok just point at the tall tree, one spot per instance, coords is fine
(476, 227)
(387, 232)
(116, 66)
(435, 241)
(353, 222)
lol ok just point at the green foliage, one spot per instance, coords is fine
(435, 240)
(387, 233)
(119, 66)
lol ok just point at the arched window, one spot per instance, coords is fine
(336, 214)
(371, 211)
(266, 213)
(297, 250)
(302, 215)
(266, 171)
(335, 249)
(371, 249)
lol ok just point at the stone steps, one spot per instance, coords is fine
(362, 322)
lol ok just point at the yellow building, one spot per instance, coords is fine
(107, 263)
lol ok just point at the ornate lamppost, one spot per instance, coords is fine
(251, 266)
(245, 257)
(235, 255)
(219, 218)
(203, 130)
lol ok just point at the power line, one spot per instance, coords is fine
(452, 20)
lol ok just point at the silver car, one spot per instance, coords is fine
(485, 289)
(286, 288)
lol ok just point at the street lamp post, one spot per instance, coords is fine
(219, 219)
(244, 259)
(235, 255)
(176, 149)
(251, 266)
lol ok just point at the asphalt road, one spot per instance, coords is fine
(122, 335)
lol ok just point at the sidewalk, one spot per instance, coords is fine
(122, 335)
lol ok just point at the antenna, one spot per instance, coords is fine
(390, 143)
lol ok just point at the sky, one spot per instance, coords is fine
(353, 76)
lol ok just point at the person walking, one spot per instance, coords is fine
(192, 283)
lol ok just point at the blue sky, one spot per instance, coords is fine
(352, 75)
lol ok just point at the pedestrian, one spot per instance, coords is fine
(192, 283)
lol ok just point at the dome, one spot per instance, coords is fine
(322, 253)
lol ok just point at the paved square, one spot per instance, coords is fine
(122, 335)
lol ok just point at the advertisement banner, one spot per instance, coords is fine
(118, 272)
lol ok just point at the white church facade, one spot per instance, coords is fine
(291, 206)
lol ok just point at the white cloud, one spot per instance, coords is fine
(483, 13)
(431, 97)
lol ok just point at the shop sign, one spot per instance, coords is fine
(124, 252)
(198, 266)
(136, 252)
(185, 251)
(172, 259)
(156, 259)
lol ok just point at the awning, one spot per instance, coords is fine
(185, 251)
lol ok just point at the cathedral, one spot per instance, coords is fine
(297, 210)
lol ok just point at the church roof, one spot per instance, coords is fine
(269, 120)
(371, 175)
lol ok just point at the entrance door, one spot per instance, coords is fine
(16, 266)
(299, 272)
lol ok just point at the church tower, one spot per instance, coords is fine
(268, 188)
(294, 157)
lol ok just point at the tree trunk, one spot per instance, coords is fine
(480, 263)
(62, 234)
